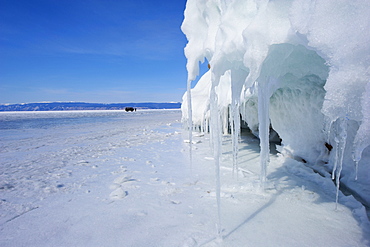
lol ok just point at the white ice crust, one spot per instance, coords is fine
(299, 66)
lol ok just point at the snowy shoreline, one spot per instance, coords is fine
(81, 111)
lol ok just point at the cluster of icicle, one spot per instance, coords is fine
(300, 67)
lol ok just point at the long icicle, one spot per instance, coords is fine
(264, 128)
(216, 141)
(190, 124)
(342, 138)
(237, 80)
(232, 128)
(235, 128)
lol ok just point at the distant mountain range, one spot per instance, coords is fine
(67, 106)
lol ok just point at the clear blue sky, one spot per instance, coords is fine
(91, 50)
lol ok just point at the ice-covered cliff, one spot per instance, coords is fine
(300, 68)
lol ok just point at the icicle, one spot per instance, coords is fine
(216, 134)
(356, 156)
(190, 123)
(335, 158)
(225, 120)
(237, 81)
(341, 138)
(264, 128)
(362, 138)
(235, 128)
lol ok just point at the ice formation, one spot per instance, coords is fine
(300, 68)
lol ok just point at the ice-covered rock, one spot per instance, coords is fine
(299, 67)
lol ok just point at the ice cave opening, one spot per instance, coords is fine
(296, 97)
(296, 77)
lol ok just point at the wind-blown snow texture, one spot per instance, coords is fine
(299, 67)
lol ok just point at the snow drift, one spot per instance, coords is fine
(297, 68)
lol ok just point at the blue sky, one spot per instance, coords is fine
(104, 51)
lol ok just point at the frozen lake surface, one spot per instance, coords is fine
(111, 178)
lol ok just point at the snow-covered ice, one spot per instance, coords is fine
(124, 179)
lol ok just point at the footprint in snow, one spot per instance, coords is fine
(118, 194)
(154, 179)
(122, 169)
(83, 163)
(124, 179)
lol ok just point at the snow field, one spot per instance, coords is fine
(134, 186)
